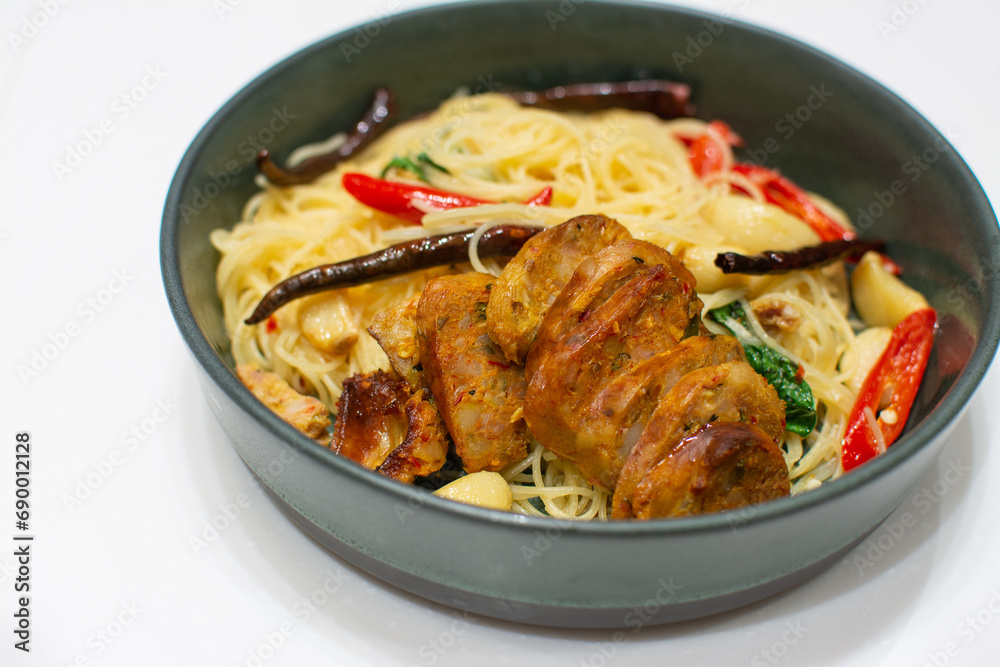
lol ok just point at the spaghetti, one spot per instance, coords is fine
(629, 166)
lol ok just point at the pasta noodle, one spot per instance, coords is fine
(629, 166)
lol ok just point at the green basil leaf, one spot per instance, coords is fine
(406, 164)
(425, 158)
(413, 166)
(800, 407)
(779, 371)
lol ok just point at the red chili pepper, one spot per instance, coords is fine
(543, 198)
(706, 158)
(704, 152)
(782, 192)
(722, 128)
(410, 202)
(897, 373)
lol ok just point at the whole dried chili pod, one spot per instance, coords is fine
(666, 99)
(781, 261)
(375, 121)
(440, 250)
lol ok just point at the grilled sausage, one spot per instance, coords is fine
(478, 392)
(723, 466)
(732, 392)
(529, 283)
(598, 430)
(610, 276)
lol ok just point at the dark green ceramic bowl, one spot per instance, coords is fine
(858, 145)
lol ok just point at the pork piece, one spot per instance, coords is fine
(386, 428)
(478, 392)
(370, 418)
(395, 329)
(776, 315)
(731, 392)
(309, 415)
(594, 420)
(672, 311)
(723, 466)
(532, 279)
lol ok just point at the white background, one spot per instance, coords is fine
(118, 422)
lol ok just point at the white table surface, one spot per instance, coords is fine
(130, 469)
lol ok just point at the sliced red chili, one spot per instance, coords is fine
(782, 192)
(895, 377)
(704, 152)
(705, 156)
(410, 201)
(543, 198)
(722, 128)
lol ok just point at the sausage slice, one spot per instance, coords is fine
(531, 280)
(608, 276)
(478, 392)
(723, 466)
(731, 392)
(592, 414)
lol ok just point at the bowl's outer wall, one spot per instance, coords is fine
(506, 567)
(847, 138)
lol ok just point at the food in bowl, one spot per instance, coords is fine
(603, 308)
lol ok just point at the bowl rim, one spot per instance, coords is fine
(941, 418)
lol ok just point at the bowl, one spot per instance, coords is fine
(851, 139)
